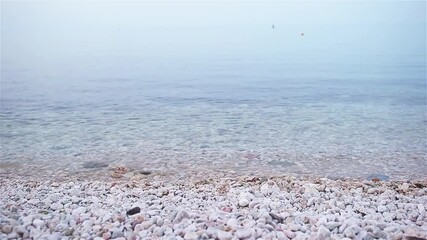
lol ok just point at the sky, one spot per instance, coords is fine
(33, 31)
(35, 16)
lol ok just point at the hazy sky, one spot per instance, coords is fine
(47, 29)
(33, 16)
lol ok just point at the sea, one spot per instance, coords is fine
(314, 99)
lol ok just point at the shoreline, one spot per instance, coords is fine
(234, 207)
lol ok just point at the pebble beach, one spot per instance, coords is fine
(151, 206)
(190, 120)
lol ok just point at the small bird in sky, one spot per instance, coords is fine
(302, 34)
(272, 26)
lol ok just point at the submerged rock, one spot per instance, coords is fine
(93, 164)
(283, 163)
(378, 177)
(145, 172)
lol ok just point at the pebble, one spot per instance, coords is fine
(289, 234)
(78, 211)
(349, 232)
(158, 231)
(281, 235)
(141, 234)
(145, 172)
(56, 206)
(38, 223)
(268, 188)
(33, 201)
(133, 211)
(310, 190)
(421, 209)
(106, 235)
(93, 164)
(191, 236)
(232, 223)
(293, 227)
(382, 208)
(243, 233)
(181, 214)
(323, 233)
(223, 235)
(117, 233)
(6, 229)
(20, 230)
(243, 202)
(332, 225)
(68, 232)
(12, 235)
(146, 224)
(159, 222)
(299, 209)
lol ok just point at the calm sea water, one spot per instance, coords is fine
(246, 99)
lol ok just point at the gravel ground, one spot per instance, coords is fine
(238, 207)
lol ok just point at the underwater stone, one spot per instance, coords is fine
(145, 172)
(92, 164)
(381, 177)
(283, 163)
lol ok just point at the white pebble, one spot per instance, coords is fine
(107, 235)
(33, 201)
(38, 223)
(382, 208)
(159, 222)
(107, 217)
(158, 231)
(56, 206)
(223, 235)
(181, 214)
(12, 235)
(117, 233)
(78, 211)
(243, 233)
(281, 235)
(349, 232)
(146, 224)
(232, 223)
(191, 236)
(289, 234)
(243, 202)
(21, 230)
(372, 190)
(421, 209)
(323, 233)
(141, 234)
(332, 225)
